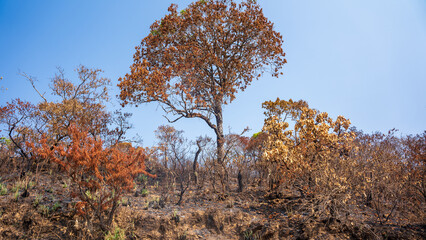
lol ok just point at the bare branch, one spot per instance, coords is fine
(32, 80)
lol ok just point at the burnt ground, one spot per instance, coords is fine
(46, 211)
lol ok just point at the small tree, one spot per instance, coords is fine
(313, 158)
(194, 62)
(383, 172)
(99, 175)
(416, 164)
(236, 151)
(21, 124)
(175, 151)
(81, 102)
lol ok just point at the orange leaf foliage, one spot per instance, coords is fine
(197, 60)
(82, 103)
(100, 175)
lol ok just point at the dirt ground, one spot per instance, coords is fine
(46, 211)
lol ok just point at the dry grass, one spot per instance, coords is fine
(47, 213)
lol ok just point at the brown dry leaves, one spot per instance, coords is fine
(311, 155)
(203, 55)
(100, 175)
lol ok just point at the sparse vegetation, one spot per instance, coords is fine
(3, 189)
(44, 210)
(144, 192)
(37, 200)
(116, 234)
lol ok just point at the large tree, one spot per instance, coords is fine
(194, 61)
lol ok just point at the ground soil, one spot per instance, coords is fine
(46, 211)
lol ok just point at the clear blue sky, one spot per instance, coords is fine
(363, 59)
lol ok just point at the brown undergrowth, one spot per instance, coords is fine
(45, 211)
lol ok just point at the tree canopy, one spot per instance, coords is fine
(195, 61)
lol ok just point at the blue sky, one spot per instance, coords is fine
(363, 59)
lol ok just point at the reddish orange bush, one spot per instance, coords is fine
(99, 175)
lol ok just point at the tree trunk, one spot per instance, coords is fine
(194, 164)
(220, 138)
(240, 181)
(220, 141)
